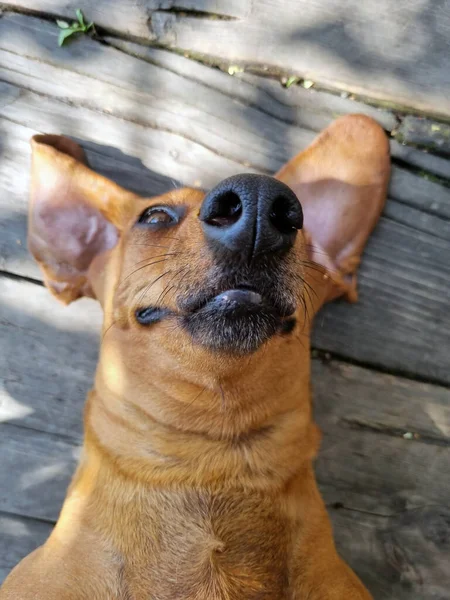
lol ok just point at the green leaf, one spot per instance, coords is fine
(291, 80)
(80, 17)
(64, 34)
(75, 27)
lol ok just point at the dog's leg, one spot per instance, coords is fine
(317, 572)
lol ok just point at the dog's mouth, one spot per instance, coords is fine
(226, 313)
(237, 319)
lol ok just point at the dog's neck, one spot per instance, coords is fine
(256, 411)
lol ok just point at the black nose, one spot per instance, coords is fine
(252, 215)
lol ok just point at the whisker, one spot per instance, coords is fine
(301, 341)
(103, 336)
(148, 286)
(310, 287)
(177, 286)
(306, 306)
(140, 268)
(157, 256)
(164, 292)
(310, 264)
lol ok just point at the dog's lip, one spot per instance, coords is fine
(228, 299)
(240, 299)
(237, 300)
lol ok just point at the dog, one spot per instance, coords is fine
(196, 479)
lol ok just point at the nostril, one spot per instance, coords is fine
(285, 216)
(227, 210)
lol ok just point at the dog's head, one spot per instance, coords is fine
(227, 271)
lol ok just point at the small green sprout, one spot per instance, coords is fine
(292, 80)
(233, 69)
(68, 30)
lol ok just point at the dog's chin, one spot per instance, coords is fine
(237, 321)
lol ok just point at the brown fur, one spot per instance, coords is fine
(196, 480)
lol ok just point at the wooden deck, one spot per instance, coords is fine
(150, 118)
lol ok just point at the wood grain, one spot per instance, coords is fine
(390, 50)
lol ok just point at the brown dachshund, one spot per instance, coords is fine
(196, 480)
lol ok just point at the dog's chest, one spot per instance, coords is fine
(206, 546)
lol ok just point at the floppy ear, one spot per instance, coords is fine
(341, 181)
(75, 214)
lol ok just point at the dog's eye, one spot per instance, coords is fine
(158, 215)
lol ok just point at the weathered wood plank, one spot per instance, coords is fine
(425, 133)
(308, 108)
(428, 164)
(401, 556)
(420, 192)
(18, 537)
(377, 480)
(363, 47)
(404, 298)
(35, 471)
(47, 358)
(165, 75)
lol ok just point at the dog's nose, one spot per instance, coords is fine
(251, 215)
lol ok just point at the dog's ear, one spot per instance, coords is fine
(75, 214)
(341, 181)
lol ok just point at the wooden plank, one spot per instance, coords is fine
(47, 359)
(403, 304)
(388, 494)
(401, 556)
(428, 165)
(425, 133)
(308, 108)
(362, 47)
(420, 192)
(164, 75)
(19, 536)
(127, 16)
(35, 471)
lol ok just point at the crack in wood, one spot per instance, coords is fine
(408, 435)
(371, 513)
(15, 277)
(72, 440)
(23, 517)
(327, 357)
(426, 174)
(191, 13)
